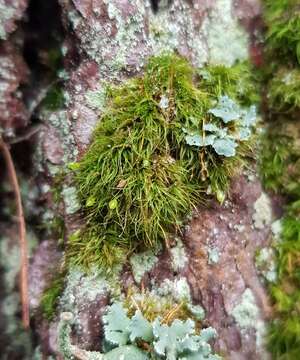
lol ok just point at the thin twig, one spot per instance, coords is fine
(28, 134)
(22, 233)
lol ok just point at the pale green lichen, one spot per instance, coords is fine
(247, 311)
(179, 289)
(262, 211)
(62, 124)
(142, 263)
(247, 316)
(80, 287)
(71, 201)
(96, 98)
(221, 29)
(197, 311)
(224, 139)
(178, 340)
(6, 13)
(172, 28)
(64, 333)
(178, 255)
(168, 292)
(167, 31)
(163, 300)
(126, 36)
(10, 298)
(265, 262)
(213, 255)
(276, 228)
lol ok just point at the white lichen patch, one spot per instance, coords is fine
(10, 296)
(172, 28)
(70, 199)
(133, 32)
(10, 258)
(6, 13)
(96, 98)
(82, 288)
(164, 102)
(247, 316)
(162, 36)
(239, 227)
(178, 255)
(142, 263)
(128, 34)
(62, 124)
(265, 262)
(227, 41)
(262, 212)
(246, 312)
(130, 31)
(179, 289)
(169, 292)
(213, 255)
(276, 228)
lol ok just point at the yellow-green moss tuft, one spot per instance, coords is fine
(141, 174)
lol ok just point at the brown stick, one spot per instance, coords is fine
(22, 233)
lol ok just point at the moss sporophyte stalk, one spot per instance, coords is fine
(164, 138)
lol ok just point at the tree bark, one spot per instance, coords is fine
(109, 42)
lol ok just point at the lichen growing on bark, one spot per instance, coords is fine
(247, 315)
(135, 338)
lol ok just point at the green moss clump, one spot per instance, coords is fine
(239, 80)
(284, 332)
(274, 157)
(153, 305)
(51, 295)
(284, 90)
(283, 29)
(281, 173)
(280, 164)
(54, 99)
(140, 175)
(280, 158)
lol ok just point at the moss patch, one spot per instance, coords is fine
(141, 174)
(284, 90)
(281, 168)
(283, 33)
(50, 298)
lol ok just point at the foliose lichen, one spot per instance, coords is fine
(179, 340)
